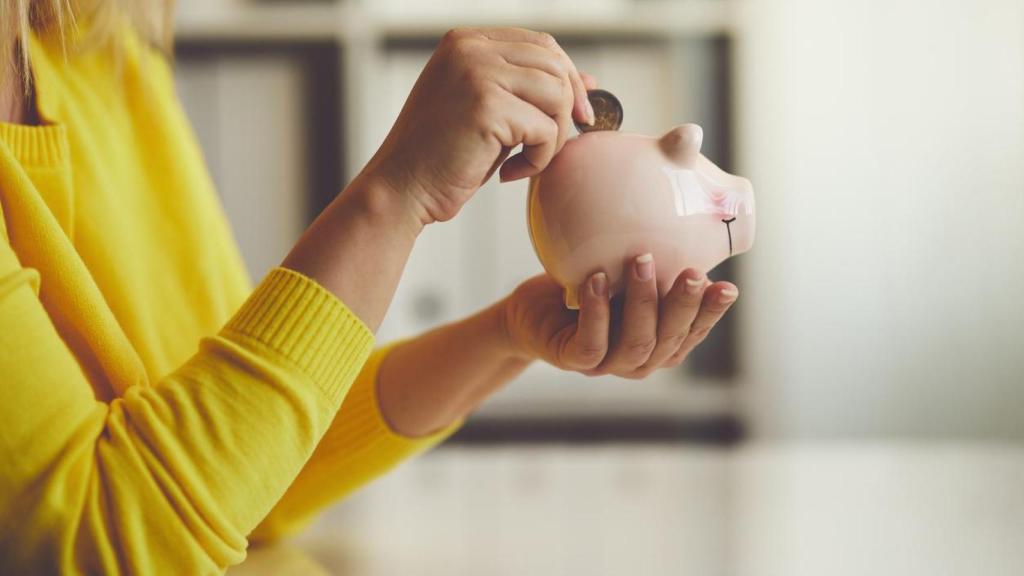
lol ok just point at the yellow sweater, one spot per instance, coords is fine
(154, 410)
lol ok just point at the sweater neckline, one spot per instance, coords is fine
(37, 146)
(40, 145)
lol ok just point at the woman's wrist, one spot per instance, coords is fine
(383, 200)
(427, 383)
(391, 169)
(504, 330)
(359, 244)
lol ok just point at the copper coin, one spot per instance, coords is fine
(607, 111)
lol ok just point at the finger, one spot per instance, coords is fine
(637, 335)
(531, 55)
(582, 109)
(589, 82)
(718, 298)
(551, 94)
(538, 133)
(588, 346)
(679, 309)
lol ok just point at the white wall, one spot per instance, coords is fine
(885, 140)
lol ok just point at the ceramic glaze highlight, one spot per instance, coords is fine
(609, 197)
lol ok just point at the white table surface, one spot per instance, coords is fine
(812, 508)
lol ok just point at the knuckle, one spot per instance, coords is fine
(682, 299)
(716, 309)
(589, 357)
(581, 355)
(487, 100)
(642, 372)
(454, 35)
(486, 108)
(463, 48)
(550, 128)
(673, 340)
(647, 298)
(699, 333)
(640, 346)
(565, 90)
(476, 79)
(547, 39)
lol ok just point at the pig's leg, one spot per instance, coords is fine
(572, 298)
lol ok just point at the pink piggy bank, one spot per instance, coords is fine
(608, 197)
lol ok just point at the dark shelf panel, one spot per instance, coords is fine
(712, 430)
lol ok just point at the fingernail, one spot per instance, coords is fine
(694, 285)
(599, 285)
(728, 295)
(645, 266)
(591, 117)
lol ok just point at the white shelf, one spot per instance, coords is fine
(644, 18)
(347, 21)
(245, 21)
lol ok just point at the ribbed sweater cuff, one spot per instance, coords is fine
(307, 325)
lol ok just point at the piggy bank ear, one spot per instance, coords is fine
(682, 144)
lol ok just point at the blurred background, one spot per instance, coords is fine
(862, 410)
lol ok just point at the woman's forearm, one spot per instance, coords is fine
(431, 381)
(359, 244)
(356, 249)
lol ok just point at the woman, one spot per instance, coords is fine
(156, 412)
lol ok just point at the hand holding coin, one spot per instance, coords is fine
(607, 111)
(484, 93)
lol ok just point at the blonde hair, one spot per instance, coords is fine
(67, 19)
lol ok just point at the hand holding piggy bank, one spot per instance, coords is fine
(608, 197)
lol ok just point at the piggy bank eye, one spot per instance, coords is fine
(690, 194)
(694, 193)
(732, 202)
